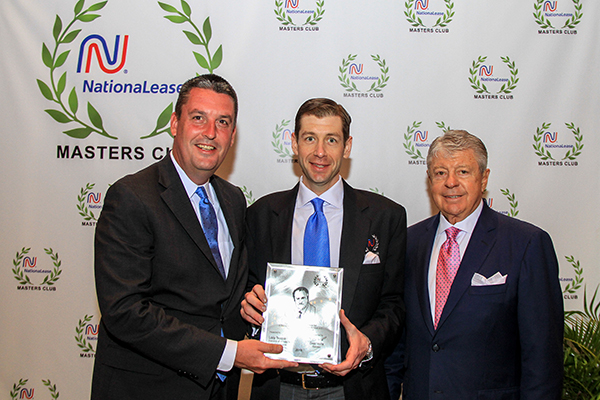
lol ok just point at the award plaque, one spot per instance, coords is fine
(303, 312)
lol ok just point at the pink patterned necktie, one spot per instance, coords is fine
(447, 266)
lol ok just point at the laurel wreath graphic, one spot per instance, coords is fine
(512, 201)
(416, 21)
(17, 270)
(573, 153)
(83, 210)
(80, 338)
(344, 79)
(539, 148)
(443, 126)
(248, 194)
(576, 18)
(411, 15)
(545, 23)
(287, 20)
(475, 82)
(14, 393)
(281, 17)
(575, 284)
(53, 60)
(52, 388)
(197, 38)
(447, 17)
(383, 78)
(545, 154)
(539, 16)
(351, 86)
(317, 15)
(509, 86)
(54, 92)
(409, 146)
(51, 278)
(278, 143)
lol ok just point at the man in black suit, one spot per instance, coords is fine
(171, 268)
(483, 301)
(367, 237)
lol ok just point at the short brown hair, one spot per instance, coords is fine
(207, 81)
(320, 108)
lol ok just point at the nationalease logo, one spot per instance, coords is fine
(546, 141)
(25, 265)
(94, 49)
(20, 391)
(107, 63)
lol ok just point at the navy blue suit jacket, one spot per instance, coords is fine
(492, 342)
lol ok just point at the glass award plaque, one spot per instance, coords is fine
(303, 310)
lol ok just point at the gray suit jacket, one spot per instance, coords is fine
(162, 299)
(372, 293)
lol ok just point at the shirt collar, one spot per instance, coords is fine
(334, 196)
(189, 186)
(467, 224)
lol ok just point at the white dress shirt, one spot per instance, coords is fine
(466, 227)
(225, 246)
(333, 208)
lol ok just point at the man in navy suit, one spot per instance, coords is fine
(484, 305)
(367, 238)
(169, 277)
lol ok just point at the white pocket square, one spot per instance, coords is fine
(371, 258)
(496, 279)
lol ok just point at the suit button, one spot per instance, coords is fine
(435, 348)
(222, 320)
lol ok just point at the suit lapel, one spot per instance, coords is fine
(228, 209)
(356, 226)
(423, 255)
(175, 197)
(481, 243)
(281, 239)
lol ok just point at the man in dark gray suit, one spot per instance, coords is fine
(170, 266)
(367, 237)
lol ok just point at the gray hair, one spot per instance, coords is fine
(453, 141)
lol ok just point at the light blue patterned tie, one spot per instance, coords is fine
(316, 237)
(210, 227)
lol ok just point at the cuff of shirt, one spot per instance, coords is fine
(228, 356)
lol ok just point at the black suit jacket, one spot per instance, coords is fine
(162, 299)
(492, 342)
(372, 293)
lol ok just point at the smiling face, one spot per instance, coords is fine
(457, 184)
(203, 133)
(320, 149)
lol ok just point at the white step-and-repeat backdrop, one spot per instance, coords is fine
(87, 89)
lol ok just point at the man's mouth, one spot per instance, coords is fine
(205, 147)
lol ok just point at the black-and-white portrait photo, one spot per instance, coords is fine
(303, 312)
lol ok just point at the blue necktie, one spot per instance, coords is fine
(210, 227)
(316, 237)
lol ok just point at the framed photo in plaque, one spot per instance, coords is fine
(303, 312)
